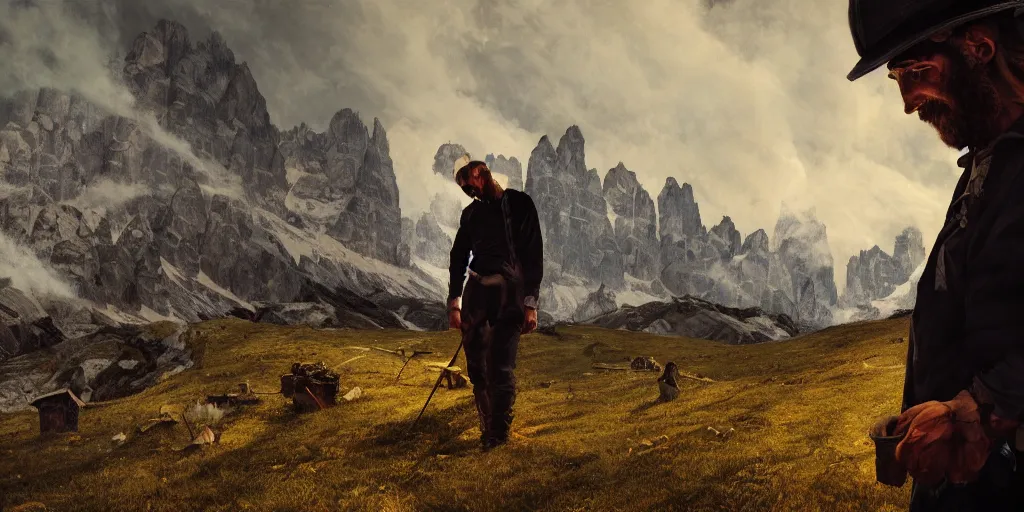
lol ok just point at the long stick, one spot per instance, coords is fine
(436, 385)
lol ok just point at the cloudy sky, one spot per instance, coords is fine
(747, 100)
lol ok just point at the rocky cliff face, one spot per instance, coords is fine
(793, 276)
(679, 213)
(444, 159)
(194, 203)
(432, 244)
(636, 226)
(725, 238)
(207, 100)
(346, 183)
(598, 303)
(447, 211)
(510, 167)
(873, 274)
(802, 246)
(578, 234)
(696, 318)
(908, 252)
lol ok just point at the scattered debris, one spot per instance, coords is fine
(609, 366)
(165, 419)
(353, 394)
(725, 434)
(668, 386)
(171, 410)
(636, 364)
(356, 358)
(310, 386)
(453, 376)
(645, 364)
(392, 352)
(245, 396)
(119, 439)
(407, 359)
(58, 411)
(648, 444)
(206, 437)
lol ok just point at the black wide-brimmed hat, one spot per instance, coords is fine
(883, 29)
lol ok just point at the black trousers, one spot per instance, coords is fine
(492, 321)
(999, 488)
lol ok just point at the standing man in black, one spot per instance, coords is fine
(502, 230)
(959, 65)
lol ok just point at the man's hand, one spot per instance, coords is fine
(531, 321)
(943, 440)
(454, 315)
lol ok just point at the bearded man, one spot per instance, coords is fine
(502, 231)
(959, 65)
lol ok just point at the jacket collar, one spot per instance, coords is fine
(1015, 131)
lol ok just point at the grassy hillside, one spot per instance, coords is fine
(800, 410)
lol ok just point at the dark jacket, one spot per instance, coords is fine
(481, 231)
(967, 328)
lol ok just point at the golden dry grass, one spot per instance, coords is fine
(800, 410)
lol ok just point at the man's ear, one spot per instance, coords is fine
(980, 43)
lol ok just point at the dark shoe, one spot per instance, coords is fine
(490, 443)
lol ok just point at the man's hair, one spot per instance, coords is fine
(1010, 43)
(1009, 39)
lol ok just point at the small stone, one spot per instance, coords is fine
(128, 364)
(353, 394)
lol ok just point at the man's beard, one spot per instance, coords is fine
(969, 119)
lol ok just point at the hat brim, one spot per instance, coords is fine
(875, 60)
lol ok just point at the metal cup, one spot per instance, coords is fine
(888, 470)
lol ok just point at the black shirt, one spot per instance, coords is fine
(482, 231)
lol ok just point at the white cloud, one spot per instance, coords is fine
(28, 273)
(105, 195)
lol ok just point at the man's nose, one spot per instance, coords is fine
(913, 98)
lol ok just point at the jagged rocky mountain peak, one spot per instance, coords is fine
(756, 242)
(509, 167)
(445, 157)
